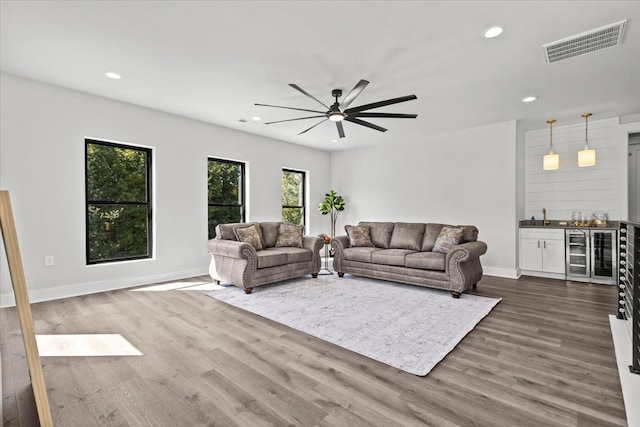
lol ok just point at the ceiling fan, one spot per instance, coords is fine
(339, 111)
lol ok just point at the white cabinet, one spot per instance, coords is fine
(542, 252)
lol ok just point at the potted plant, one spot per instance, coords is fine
(332, 205)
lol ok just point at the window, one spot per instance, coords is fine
(293, 196)
(226, 193)
(118, 194)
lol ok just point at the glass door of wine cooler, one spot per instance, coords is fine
(603, 256)
(577, 254)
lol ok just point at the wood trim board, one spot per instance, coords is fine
(10, 239)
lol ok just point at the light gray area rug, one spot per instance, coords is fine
(408, 327)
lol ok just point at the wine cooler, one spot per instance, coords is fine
(591, 255)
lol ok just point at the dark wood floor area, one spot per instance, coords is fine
(543, 357)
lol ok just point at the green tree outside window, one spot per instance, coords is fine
(118, 197)
(225, 193)
(293, 196)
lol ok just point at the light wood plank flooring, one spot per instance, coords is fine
(543, 357)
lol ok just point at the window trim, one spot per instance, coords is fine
(149, 202)
(304, 195)
(243, 186)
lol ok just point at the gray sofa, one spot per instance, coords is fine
(240, 264)
(402, 252)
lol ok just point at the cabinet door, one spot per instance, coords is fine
(553, 257)
(531, 254)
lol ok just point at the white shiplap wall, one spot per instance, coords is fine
(572, 188)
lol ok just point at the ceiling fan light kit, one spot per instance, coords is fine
(339, 111)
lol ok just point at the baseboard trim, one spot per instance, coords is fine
(559, 276)
(509, 273)
(59, 292)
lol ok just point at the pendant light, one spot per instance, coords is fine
(551, 161)
(586, 157)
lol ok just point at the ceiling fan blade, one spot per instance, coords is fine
(385, 115)
(307, 130)
(290, 108)
(340, 129)
(353, 94)
(380, 104)
(291, 120)
(298, 88)
(367, 124)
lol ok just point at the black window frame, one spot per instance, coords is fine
(149, 202)
(304, 195)
(243, 204)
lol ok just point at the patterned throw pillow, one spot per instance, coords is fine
(249, 235)
(289, 235)
(447, 239)
(359, 236)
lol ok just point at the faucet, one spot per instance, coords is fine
(544, 217)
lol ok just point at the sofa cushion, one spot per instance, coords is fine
(250, 235)
(362, 254)
(407, 236)
(289, 235)
(271, 258)
(293, 254)
(225, 231)
(269, 233)
(380, 233)
(359, 235)
(426, 261)
(390, 256)
(469, 233)
(430, 236)
(448, 238)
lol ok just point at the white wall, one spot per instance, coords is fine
(602, 187)
(463, 177)
(42, 132)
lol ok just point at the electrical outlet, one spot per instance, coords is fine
(48, 260)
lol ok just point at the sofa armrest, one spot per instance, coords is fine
(463, 265)
(467, 251)
(339, 244)
(314, 244)
(230, 248)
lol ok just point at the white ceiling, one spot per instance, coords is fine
(212, 60)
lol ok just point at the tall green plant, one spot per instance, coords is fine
(332, 205)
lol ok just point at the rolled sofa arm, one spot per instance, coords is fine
(314, 244)
(229, 248)
(463, 264)
(339, 244)
(232, 261)
(467, 251)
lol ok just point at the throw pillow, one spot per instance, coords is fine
(447, 239)
(249, 235)
(359, 236)
(289, 235)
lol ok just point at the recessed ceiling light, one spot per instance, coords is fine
(113, 75)
(256, 118)
(334, 140)
(493, 31)
(529, 98)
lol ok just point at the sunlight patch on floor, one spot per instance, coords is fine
(180, 286)
(85, 345)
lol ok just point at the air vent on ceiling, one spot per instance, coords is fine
(587, 42)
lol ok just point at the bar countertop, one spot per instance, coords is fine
(527, 223)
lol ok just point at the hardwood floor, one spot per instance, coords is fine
(543, 357)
